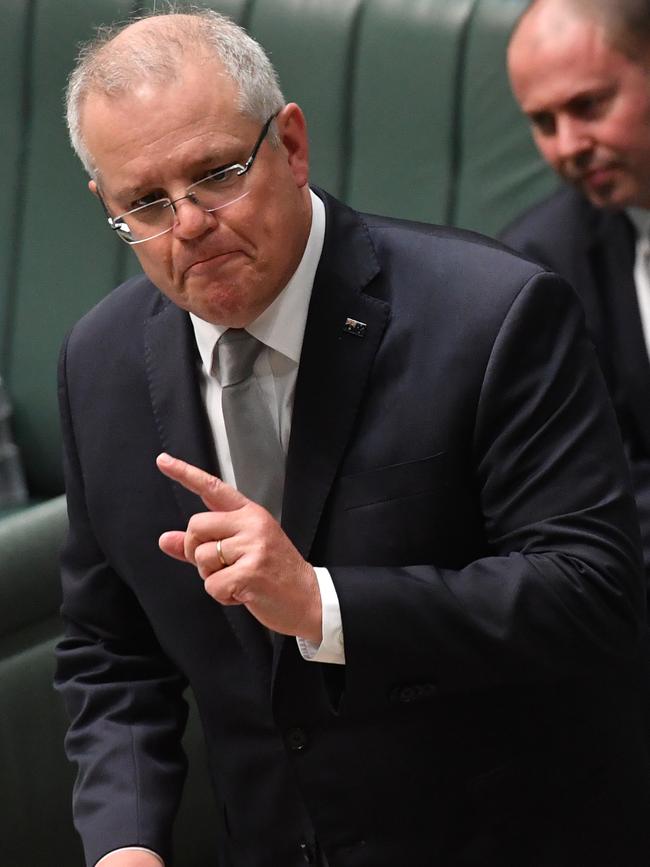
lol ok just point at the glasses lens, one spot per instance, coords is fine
(145, 222)
(218, 189)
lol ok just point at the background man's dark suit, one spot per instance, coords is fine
(486, 713)
(594, 250)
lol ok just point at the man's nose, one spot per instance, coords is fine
(190, 219)
(571, 139)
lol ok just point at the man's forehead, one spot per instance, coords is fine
(182, 124)
(576, 62)
(188, 164)
(203, 74)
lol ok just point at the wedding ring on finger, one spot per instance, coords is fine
(222, 559)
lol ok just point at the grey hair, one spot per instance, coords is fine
(111, 67)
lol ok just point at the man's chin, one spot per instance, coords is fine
(607, 196)
(231, 315)
(611, 190)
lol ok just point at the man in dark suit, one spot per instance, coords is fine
(433, 658)
(580, 71)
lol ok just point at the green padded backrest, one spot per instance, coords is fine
(14, 50)
(36, 825)
(66, 258)
(30, 591)
(36, 817)
(235, 9)
(404, 97)
(313, 47)
(500, 171)
(33, 767)
(409, 113)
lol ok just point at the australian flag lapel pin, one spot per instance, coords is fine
(354, 327)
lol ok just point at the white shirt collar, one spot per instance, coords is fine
(640, 218)
(282, 325)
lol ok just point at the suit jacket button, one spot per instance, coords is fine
(307, 853)
(297, 739)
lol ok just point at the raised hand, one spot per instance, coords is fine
(243, 555)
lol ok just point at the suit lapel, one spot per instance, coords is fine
(172, 372)
(612, 257)
(334, 368)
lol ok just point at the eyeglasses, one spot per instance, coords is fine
(213, 192)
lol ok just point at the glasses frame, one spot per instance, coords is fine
(241, 169)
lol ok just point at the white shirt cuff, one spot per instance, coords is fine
(332, 648)
(128, 849)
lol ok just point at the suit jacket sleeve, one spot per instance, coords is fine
(558, 591)
(595, 252)
(122, 694)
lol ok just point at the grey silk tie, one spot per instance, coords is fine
(257, 456)
(255, 450)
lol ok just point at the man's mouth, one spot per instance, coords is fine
(598, 176)
(209, 261)
(595, 176)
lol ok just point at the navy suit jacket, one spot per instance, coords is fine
(594, 250)
(459, 470)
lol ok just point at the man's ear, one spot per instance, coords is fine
(292, 127)
(92, 186)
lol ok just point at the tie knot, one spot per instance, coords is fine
(236, 351)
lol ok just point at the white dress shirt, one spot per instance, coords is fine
(281, 328)
(641, 220)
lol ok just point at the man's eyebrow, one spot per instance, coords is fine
(593, 93)
(124, 195)
(218, 159)
(127, 193)
(213, 160)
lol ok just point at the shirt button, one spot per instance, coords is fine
(297, 739)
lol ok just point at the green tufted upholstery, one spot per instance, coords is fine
(409, 113)
(36, 819)
(499, 173)
(64, 263)
(314, 57)
(13, 37)
(36, 776)
(404, 108)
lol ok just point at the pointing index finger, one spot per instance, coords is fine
(217, 495)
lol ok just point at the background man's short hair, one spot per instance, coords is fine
(626, 22)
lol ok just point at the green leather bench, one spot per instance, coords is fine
(410, 114)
